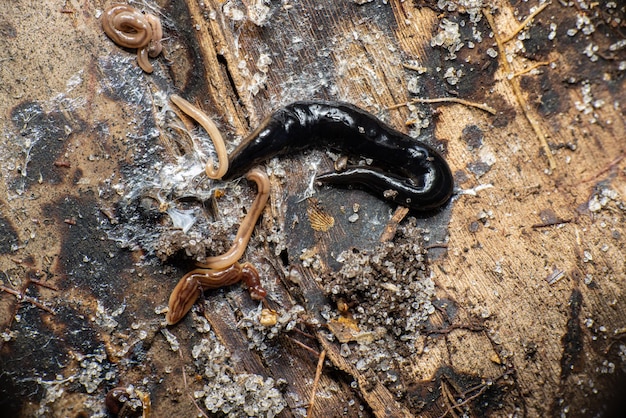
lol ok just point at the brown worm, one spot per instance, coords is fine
(129, 28)
(247, 226)
(126, 26)
(224, 270)
(218, 141)
(142, 60)
(188, 288)
(155, 47)
(250, 276)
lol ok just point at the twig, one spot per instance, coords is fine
(438, 245)
(304, 334)
(551, 223)
(611, 165)
(480, 388)
(532, 67)
(180, 353)
(480, 106)
(518, 92)
(451, 402)
(21, 297)
(306, 347)
(42, 284)
(525, 22)
(318, 374)
(392, 225)
(458, 405)
(417, 68)
(448, 330)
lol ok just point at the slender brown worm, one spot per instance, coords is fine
(188, 288)
(155, 47)
(250, 276)
(247, 226)
(129, 28)
(218, 141)
(142, 60)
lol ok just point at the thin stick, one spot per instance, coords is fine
(22, 297)
(460, 404)
(450, 400)
(415, 68)
(42, 284)
(611, 165)
(306, 347)
(532, 67)
(551, 223)
(318, 374)
(525, 22)
(518, 93)
(480, 388)
(180, 353)
(392, 225)
(480, 106)
(305, 334)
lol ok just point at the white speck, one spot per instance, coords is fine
(233, 13)
(590, 51)
(471, 7)
(448, 38)
(552, 33)
(171, 339)
(263, 63)
(259, 81)
(452, 75)
(345, 350)
(618, 45)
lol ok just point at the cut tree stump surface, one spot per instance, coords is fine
(510, 301)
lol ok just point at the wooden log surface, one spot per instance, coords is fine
(516, 304)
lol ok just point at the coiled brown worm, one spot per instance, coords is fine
(129, 28)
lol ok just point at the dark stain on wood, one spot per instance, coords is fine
(88, 260)
(8, 234)
(42, 137)
(572, 341)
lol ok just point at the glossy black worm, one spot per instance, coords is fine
(405, 171)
